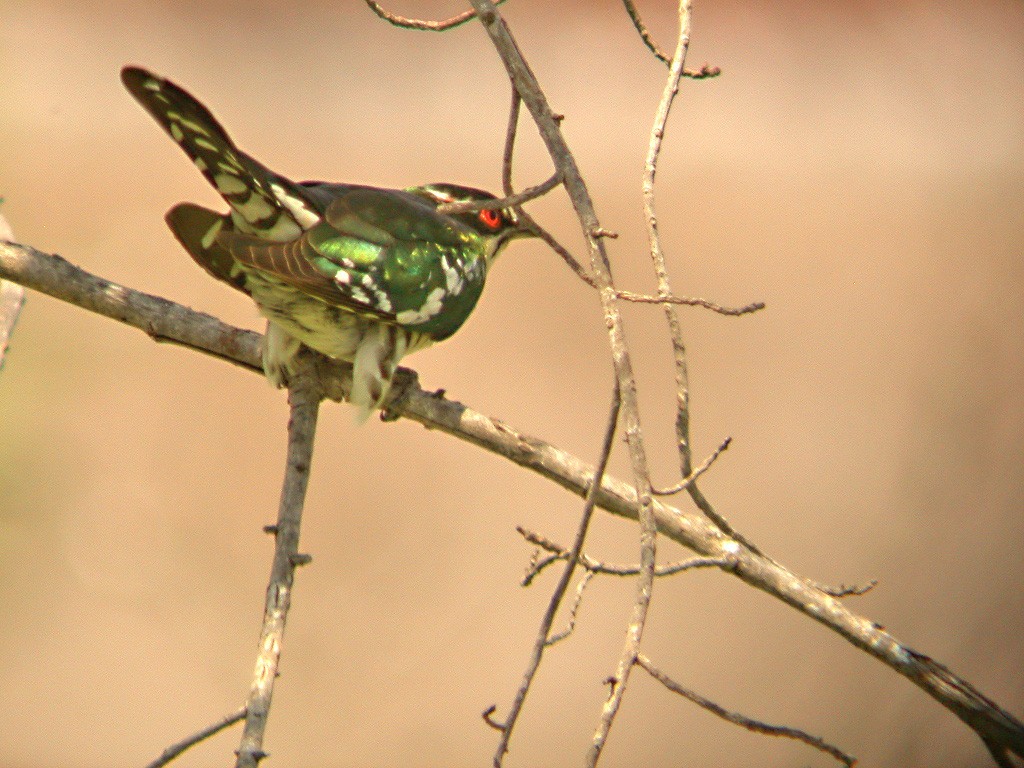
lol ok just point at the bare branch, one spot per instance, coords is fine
(543, 633)
(168, 321)
(645, 35)
(668, 300)
(598, 567)
(647, 562)
(738, 719)
(176, 749)
(638, 298)
(304, 397)
(421, 24)
(692, 477)
(510, 141)
(573, 608)
(665, 290)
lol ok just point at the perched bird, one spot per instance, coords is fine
(358, 273)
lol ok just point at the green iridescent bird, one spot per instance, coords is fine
(358, 273)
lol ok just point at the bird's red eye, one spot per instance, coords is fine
(490, 219)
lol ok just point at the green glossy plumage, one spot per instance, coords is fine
(358, 273)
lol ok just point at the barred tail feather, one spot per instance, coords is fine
(378, 355)
(263, 202)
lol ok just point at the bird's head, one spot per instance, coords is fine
(497, 226)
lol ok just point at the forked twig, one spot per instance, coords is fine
(665, 290)
(737, 719)
(692, 477)
(645, 35)
(638, 298)
(558, 552)
(573, 556)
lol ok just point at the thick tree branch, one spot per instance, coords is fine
(170, 322)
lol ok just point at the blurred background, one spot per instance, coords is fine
(858, 167)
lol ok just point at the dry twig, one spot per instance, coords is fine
(304, 398)
(741, 720)
(645, 35)
(558, 552)
(543, 638)
(692, 477)
(176, 749)
(422, 24)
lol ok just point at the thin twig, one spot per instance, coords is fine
(508, 154)
(654, 238)
(598, 567)
(741, 720)
(167, 321)
(669, 300)
(176, 749)
(511, 201)
(547, 123)
(645, 34)
(665, 290)
(304, 398)
(704, 72)
(638, 298)
(544, 631)
(422, 24)
(692, 477)
(573, 609)
(631, 648)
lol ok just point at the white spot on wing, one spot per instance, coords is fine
(452, 277)
(431, 307)
(296, 206)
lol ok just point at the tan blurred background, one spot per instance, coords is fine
(859, 167)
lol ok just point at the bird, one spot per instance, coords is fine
(362, 274)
